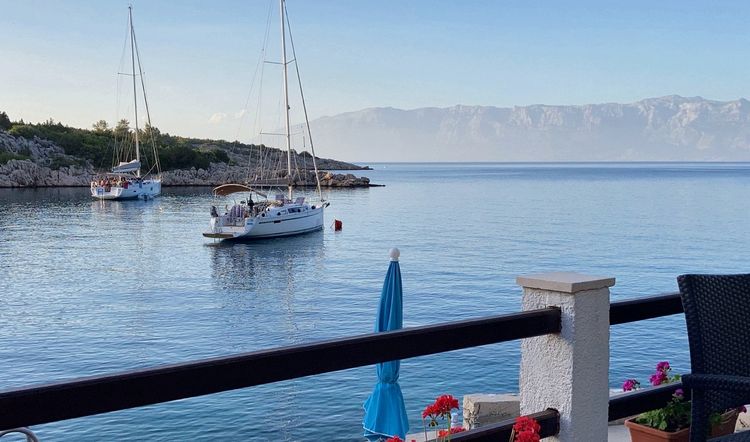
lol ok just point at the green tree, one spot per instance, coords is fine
(4, 121)
(151, 131)
(101, 127)
(122, 128)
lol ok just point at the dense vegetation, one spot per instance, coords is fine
(7, 156)
(5, 123)
(97, 145)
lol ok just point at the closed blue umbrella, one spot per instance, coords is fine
(385, 413)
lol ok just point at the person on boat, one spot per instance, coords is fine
(236, 211)
(250, 205)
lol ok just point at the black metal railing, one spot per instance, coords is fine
(100, 394)
(633, 310)
(39, 404)
(639, 309)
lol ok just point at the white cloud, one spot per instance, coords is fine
(218, 117)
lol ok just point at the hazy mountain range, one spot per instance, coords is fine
(670, 128)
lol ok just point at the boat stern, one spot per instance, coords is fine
(106, 193)
(223, 227)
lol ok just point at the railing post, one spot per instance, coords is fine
(569, 371)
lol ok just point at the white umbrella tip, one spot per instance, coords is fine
(395, 254)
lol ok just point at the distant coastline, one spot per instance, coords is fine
(27, 174)
(665, 128)
(67, 158)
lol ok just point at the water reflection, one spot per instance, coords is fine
(257, 265)
(269, 280)
(268, 290)
(132, 234)
(44, 195)
(126, 207)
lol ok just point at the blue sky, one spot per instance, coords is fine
(60, 59)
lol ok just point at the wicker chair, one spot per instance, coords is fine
(717, 312)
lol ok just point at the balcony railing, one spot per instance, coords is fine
(39, 404)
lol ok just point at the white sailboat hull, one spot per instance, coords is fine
(282, 216)
(145, 189)
(273, 223)
(125, 181)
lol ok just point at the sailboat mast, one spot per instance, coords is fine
(286, 99)
(135, 93)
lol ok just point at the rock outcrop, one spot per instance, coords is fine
(329, 179)
(37, 171)
(26, 173)
(42, 168)
(221, 173)
(41, 152)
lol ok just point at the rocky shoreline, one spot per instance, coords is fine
(42, 169)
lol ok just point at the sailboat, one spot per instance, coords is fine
(125, 180)
(285, 214)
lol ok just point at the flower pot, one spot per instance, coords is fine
(642, 433)
(727, 424)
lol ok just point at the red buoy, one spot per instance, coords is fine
(337, 225)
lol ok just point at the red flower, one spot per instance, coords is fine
(441, 408)
(444, 404)
(526, 429)
(427, 411)
(527, 436)
(524, 423)
(454, 430)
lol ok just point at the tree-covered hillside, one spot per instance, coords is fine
(97, 145)
(102, 147)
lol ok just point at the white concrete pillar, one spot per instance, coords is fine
(569, 371)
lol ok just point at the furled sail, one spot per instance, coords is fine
(228, 189)
(123, 167)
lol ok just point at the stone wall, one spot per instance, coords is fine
(485, 409)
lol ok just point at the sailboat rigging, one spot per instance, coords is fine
(125, 180)
(284, 215)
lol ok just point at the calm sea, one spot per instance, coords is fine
(91, 288)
